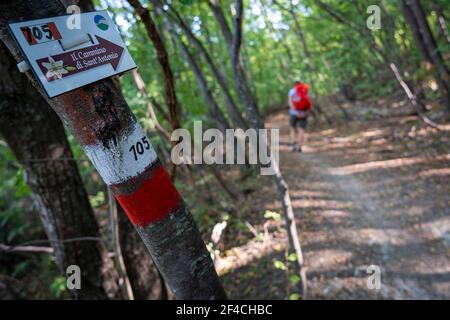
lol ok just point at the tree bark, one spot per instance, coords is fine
(141, 270)
(238, 72)
(230, 104)
(222, 21)
(140, 85)
(103, 124)
(311, 68)
(37, 139)
(408, 91)
(252, 114)
(216, 113)
(424, 39)
(85, 5)
(127, 290)
(441, 20)
(163, 59)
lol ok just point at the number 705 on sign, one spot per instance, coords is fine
(40, 33)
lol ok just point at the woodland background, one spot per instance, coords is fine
(381, 119)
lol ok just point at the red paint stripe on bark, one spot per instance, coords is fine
(154, 200)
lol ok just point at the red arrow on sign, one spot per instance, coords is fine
(79, 60)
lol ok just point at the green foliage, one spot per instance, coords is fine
(187, 2)
(58, 287)
(295, 296)
(280, 265)
(292, 257)
(237, 223)
(98, 199)
(20, 268)
(294, 279)
(14, 198)
(272, 215)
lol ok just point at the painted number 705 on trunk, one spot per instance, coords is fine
(139, 147)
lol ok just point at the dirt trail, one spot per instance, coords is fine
(363, 200)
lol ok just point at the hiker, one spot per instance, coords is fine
(299, 109)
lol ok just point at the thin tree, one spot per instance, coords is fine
(391, 65)
(140, 86)
(175, 19)
(163, 59)
(251, 108)
(310, 66)
(215, 111)
(437, 8)
(145, 280)
(425, 41)
(233, 42)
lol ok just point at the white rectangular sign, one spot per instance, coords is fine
(64, 58)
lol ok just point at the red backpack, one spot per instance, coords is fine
(300, 99)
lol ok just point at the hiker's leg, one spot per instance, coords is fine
(294, 134)
(302, 132)
(301, 137)
(293, 129)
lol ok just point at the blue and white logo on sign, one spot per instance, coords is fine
(101, 23)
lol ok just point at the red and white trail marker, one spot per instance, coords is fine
(128, 157)
(64, 59)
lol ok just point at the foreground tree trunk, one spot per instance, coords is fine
(103, 124)
(37, 139)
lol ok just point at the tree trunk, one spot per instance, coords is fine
(230, 104)
(37, 139)
(408, 91)
(424, 39)
(163, 59)
(214, 109)
(103, 124)
(310, 67)
(127, 290)
(140, 85)
(142, 272)
(238, 72)
(85, 5)
(252, 114)
(222, 21)
(441, 20)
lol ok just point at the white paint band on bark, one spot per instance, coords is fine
(128, 158)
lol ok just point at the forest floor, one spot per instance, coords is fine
(372, 192)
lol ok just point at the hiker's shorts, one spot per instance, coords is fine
(295, 121)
